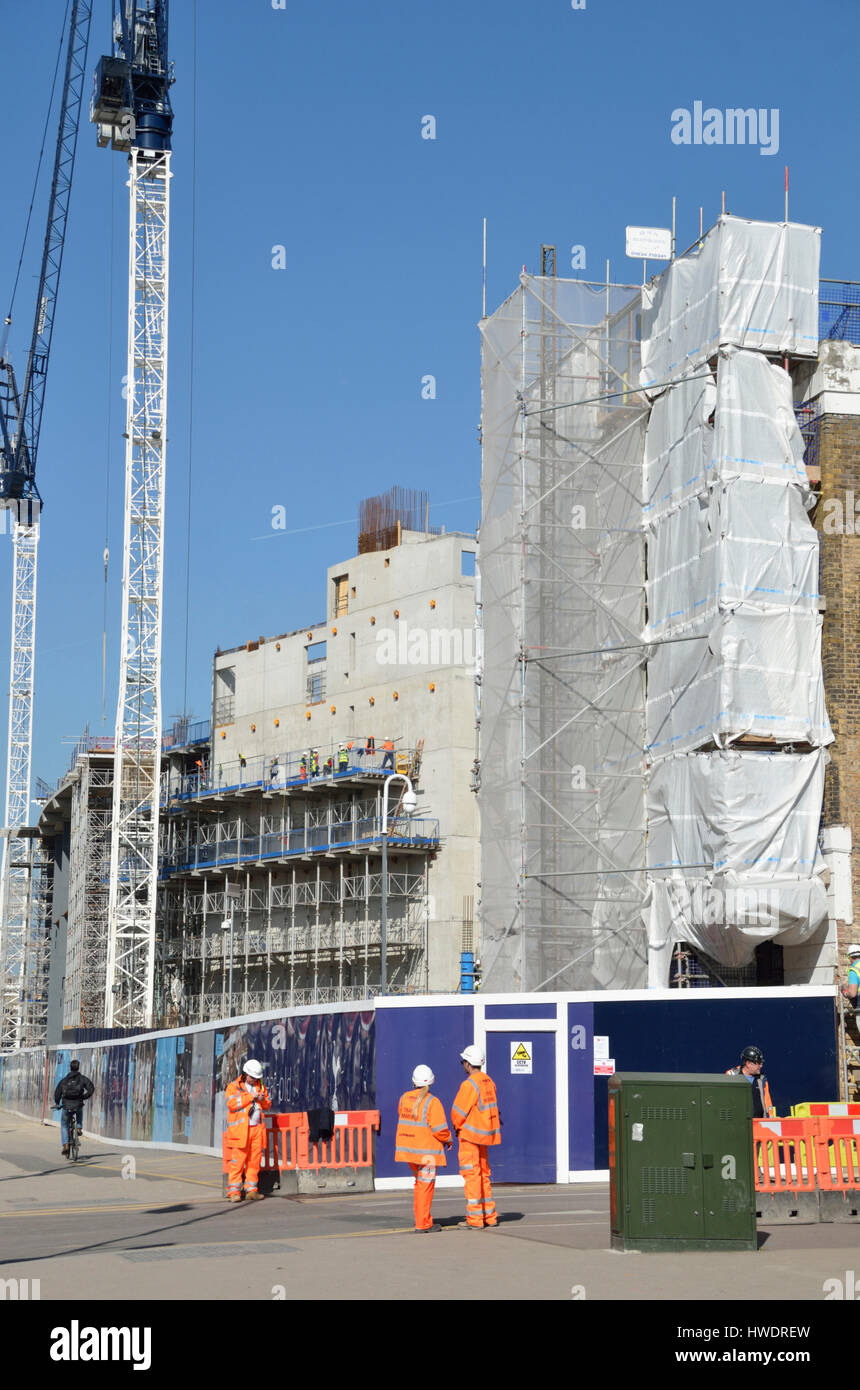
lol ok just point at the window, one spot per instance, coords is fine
(315, 652)
(467, 562)
(225, 695)
(341, 599)
(315, 687)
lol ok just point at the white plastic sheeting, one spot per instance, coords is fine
(733, 603)
(732, 564)
(733, 844)
(752, 285)
(751, 674)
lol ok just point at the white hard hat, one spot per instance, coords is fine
(473, 1055)
(254, 1069)
(854, 950)
(422, 1076)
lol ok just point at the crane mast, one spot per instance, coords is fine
(22, 1007)
(131, 108)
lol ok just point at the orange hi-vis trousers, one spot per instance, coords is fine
(248, 1159)
(475, 1168)
(422, 1197)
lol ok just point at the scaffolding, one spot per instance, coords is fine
(89, 862)
(302, 935)
(562, 685)
(652, 721)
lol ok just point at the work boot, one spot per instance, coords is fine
(467, 1226)
(65, 1150)
(254, 1197)
(426, 1230)
(235, 1197)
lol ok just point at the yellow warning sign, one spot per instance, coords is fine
(521, 1058)
(521, 1055)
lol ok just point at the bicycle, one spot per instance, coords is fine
(74, 1136)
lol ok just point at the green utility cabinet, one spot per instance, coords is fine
(681, 1162)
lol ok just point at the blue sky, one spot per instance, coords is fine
(553, 123)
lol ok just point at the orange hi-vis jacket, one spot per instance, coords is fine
(760, 1082)
(475, 1112)
(239, 1102)
(422, 1130)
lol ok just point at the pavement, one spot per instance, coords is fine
(139, 1224)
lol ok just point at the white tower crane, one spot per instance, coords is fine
(131, 107)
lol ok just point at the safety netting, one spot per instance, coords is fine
(563, 693)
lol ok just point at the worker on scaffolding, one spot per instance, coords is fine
(752, 1067)
(315, 762)
(851, 990)
(388, 754)
(247, 1100)
(342, 757)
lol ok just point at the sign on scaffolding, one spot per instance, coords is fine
(648, 243)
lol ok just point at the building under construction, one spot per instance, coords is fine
(654, 735)
(287, 854)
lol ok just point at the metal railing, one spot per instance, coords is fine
(403, 833)
(284, 771)
(184, 732)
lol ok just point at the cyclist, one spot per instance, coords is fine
(70, 1094)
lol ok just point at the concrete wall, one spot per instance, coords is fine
(409, 626)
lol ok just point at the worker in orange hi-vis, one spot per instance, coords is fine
(247, 1100)
(475, 1117)
(421, 1140)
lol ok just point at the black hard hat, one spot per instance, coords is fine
(752, 1054)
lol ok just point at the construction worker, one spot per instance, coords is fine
(315, 762)
(752, 1067)
(421, 1140)
(388, 754)
(851, 990)
(247, 1100)
(243, 762)
(303, 767)
(342, 757)
(476, 1121)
